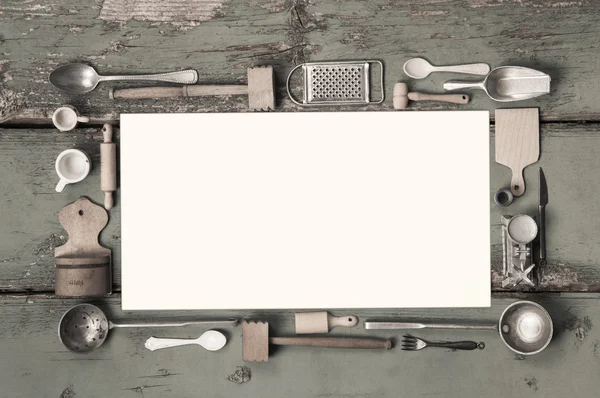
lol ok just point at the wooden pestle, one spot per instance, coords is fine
(108, 166)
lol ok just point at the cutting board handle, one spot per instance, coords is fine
(517, 183)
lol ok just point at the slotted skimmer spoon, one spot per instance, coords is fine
(84, 327)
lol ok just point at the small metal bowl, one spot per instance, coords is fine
(83, 328)
(526, 327)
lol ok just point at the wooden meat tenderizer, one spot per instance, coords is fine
(108, 166)
(321, 322)
(401, 97)
(260, 90)
(82, 265)
(255, 342)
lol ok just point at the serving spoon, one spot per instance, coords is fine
(81, 78)
(418, 68)
(210, 340)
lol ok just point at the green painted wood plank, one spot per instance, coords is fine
(34, 363)
(29, 227)
(222, 38)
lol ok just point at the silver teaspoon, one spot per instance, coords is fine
(82, 78)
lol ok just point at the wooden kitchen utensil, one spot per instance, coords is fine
(321, 322)
(401, 97)
(517, 142)
(255, 342)
(260, 90)
(108, 166)
(82, 265)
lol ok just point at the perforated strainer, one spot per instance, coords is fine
(84, 327)
(336, 83)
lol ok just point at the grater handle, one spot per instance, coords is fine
(376, 61)
(287, 86)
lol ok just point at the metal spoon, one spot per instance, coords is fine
(82, 78)
(418, 68)
(84, 327)
(211, 340)
(508, 83)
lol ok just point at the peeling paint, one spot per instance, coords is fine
(581, 326)
(10, 102)
(241, 375)
(165, 11)
(48, 245)
(68, 392)
(271, 6)
(532, 383)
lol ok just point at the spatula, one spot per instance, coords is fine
(517, 142)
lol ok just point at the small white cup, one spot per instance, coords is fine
(72, 166)
(66, 118)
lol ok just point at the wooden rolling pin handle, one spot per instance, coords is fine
(451, 98)
(177, 92)
(332, 342)
(108, 166)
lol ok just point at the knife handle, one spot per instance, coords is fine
(542, 213)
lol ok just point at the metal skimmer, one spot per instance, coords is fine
(336, 83)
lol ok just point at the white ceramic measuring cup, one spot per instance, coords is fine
(66, 118)
(72, 166)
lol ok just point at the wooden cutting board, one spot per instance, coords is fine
(517, 142)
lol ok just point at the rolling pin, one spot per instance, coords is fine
(108, 166)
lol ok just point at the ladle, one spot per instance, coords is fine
(84, 327)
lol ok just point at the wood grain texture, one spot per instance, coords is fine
(255, 341)
(221, 39)
(40, 366)
(569, 154)
(82, 264)
(321, 322)
(517, 142)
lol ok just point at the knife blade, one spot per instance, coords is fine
(543, 193)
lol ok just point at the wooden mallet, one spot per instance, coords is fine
(260, 90)
(255, 342)
(401, 97)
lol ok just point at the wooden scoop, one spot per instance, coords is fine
(255, 342)
(517, 142)
(321, 322)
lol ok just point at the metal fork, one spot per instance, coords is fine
(412, 343)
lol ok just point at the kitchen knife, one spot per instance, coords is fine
(542, 214)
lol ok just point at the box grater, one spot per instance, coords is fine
(336, 83)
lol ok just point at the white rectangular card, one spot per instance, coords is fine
(305, 210)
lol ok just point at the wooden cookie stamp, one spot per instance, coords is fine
(83, 267)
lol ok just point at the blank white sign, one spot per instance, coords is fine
(305, 210)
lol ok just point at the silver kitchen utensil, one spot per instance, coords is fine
(84, 327)
(412, 343)
(518, 233)
(508, 83)
(336, 83)
(524, 326)
(418, 68)
(211, 340)
(82, 78)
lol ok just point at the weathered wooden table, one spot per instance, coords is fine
(220, 38)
